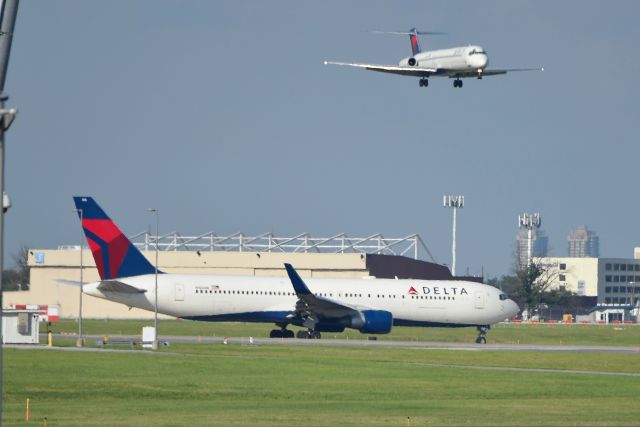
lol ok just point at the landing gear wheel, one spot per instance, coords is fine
(457, 83)
(424, 82)
(276, 333)
(482, 332)
(315, 335)
(302, 335)
(281, 333)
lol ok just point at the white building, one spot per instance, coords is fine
(613, 280)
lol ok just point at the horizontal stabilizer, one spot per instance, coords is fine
(116, 286)
(69, 282)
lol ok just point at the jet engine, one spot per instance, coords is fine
(373, 322)
(412, 62)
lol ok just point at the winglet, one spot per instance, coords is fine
(298, 284)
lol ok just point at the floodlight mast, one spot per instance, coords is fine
(529, 221)
(455, 202)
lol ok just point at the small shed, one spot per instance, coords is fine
(20, 327)
(614, 313)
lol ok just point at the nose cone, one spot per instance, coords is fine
(511, 308)
(481, 60)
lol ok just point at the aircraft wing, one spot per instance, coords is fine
(316, 305)
(117, 286)
(474, 74)
(392, 69)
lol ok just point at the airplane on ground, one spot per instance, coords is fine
(318, 305)
(456, 63)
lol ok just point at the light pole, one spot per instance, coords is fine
(8, 12)
(80, 341)
(455, 202)
(154, 345)
(529, 221)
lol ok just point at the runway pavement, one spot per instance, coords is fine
(381, 344)
(359, 343)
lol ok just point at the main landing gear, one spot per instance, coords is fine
(424, 82)
(457, 83)
(314, 335)
(281, 333)
(482, 331)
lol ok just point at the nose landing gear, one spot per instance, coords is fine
(482, 332)
(457, 83)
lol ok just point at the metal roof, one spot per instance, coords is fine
(301, 243)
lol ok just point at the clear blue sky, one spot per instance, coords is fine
(222, 115)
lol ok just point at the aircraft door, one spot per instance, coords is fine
(480, 298)
(179, 294)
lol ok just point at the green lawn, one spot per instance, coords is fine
(576, 334)
(237, 385)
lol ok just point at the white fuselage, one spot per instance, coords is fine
(455, 59)
(269, 299)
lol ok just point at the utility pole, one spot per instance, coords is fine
(154, 345)
(80, 340)
(455, 202)
(8, 12)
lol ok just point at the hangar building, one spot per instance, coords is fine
(338, 256)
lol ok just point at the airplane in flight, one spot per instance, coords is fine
(456, 63)
(370, 306)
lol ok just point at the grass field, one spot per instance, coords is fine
(238, 385)
(554, 334)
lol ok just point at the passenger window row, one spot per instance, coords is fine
(347, 295)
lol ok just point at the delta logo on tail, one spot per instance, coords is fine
(412, 291)
(114, 254)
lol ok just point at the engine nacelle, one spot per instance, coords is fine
(408, 62)
(373, 322)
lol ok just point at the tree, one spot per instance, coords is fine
(535, 280)
(21, 261)
(17, 278)
(507, 284)
(529, 287)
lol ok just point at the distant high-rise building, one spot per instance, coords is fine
(583, 243)
(539, 245)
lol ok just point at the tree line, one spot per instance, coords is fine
(17, 278)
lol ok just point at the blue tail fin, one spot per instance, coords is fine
(114, 254)
(415, 43)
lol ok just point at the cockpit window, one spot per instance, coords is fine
(477, 52)
(504, 297)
